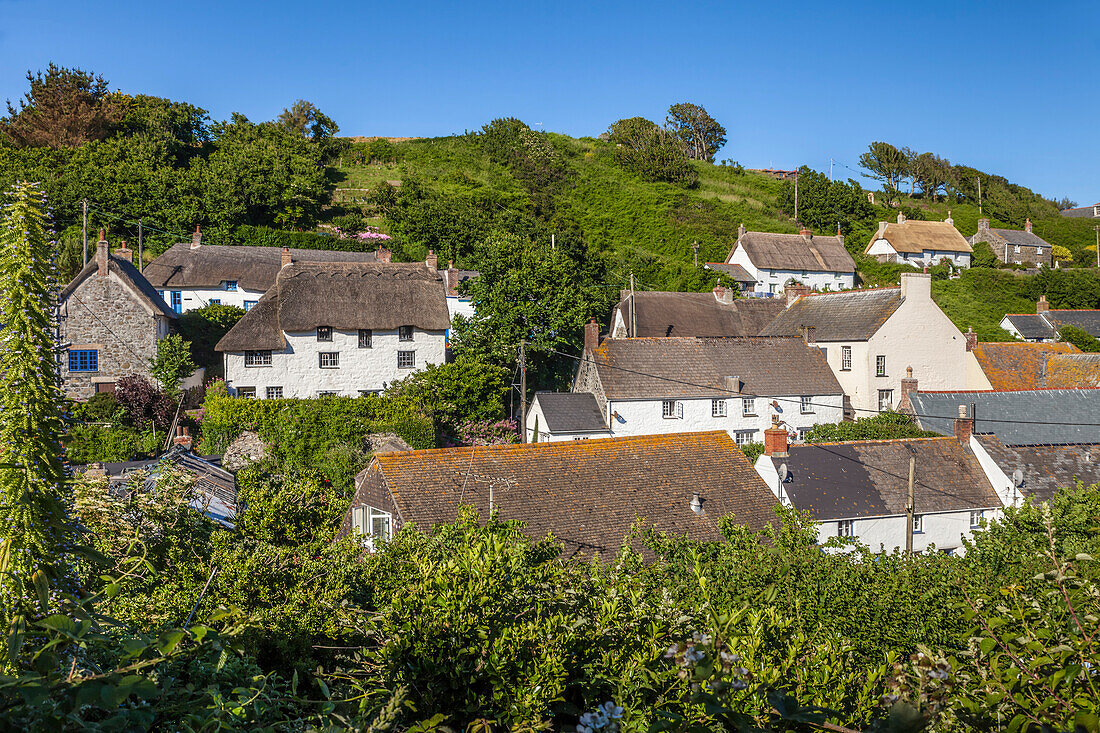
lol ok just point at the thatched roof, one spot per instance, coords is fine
(796, 252)
(915, 237)
(254, 268)
(344, 296)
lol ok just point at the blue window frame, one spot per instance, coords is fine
(177, 301)
(249, 304)
(84, 360)
(231, 285)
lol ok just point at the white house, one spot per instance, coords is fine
(647, 386)
(194, 275)
(818, 262)
(860, 489)
(565, 416)
(919, 243)
(1043, 326)
(458, 303)
(338, 328)
(870, 337)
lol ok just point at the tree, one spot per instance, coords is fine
(173, 363)
(34, 526)
(931, 172)
(886, 163)
(1066, 203)
(984, 256)
(1060, 253)
(464, 389)
(652, 152)
(700, 133)
(823, 204)
(64, 108)
(204, 328)
(305, 119)
(1080, 338)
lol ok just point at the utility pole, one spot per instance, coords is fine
(1098, 245)
(141, 248)
(695, 249)
(830, 170)
(523, 389)
(85, 231)
(633, 309)
(552, 243)
(909, 508)
(979, 197)
(796, 196)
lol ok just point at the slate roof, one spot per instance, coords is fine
(914, 237)
(852, 315)
(571, 412)
(1030, 326)
(142, 289)
(1020, 237)
(736, 272)
(796, 252)
(456, 277)
(254, 268)
(1087, 212)
(345, 296)
(1046, 468)
(870, 478)
(667, 368)
(1025, 417)
(1071, 371)
(698, 314)
(1088, 320)
(588, 493)
(1014, 365)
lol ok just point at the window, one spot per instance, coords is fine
(668, 409)
(274, 393)
(717, 408)
(885, 400)
(807, 404)
(327, 393)
(846, 358)
(1016, 249)
(802, 434)
(880, 366)
(257, 358)
(405, 333)
(976, 517)
(365, 338)
(406, 359)
(328, 359)
(84, 360)
(748, 406)
(369, 392)
(1039, 251)
(844, 528)
(918, 523)
(324, 333)
(231, 285)
(176, 300)
(369, 521)
(247, 392)
(250, 304)
(744, 437)
(215, 301)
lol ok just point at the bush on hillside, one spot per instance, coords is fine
(1080, 338)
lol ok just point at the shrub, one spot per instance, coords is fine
(144, 402)
(204, 328)
(107, 443)
(1080, 338)
(173, 363)
(883, 426)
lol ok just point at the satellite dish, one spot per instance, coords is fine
(1017, 478)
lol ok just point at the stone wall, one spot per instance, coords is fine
(104, 314)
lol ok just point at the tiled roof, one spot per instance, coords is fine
(1087, 320)
(914, 237)
(588, 493)
(698, 314)
(142, 289)
(736, 272)
(796, 252)
(571, 412)
(1014, 365)
(1071, 371)
(852, 315)
(1087, 212)
(1031, 417)
(1020, 237)
(870, 478)
(667, 368)
(1046, 468)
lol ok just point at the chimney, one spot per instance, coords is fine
(794, 292)
(183, 438)
(196, 238)
(971, 339)
(101, 254)
(723, 294)
(286, 257)
(591, 335)
(916, 285)
(901, 218)
(809, 334)
(949, 220)
(1042, 306)
(733, 384)
(450, 264)
(1027, 225)
(383, 255)
(741, 230)
(908, 386)
(124, 253)
(964, 426)
(881, 230)
(775, 439)
(806, 233)
(431, 261)
(983, 225)
(839, 236)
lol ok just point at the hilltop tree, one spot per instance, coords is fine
(305, 119)
(64, 108)
(822, 203)
(700, 133)
(886, 163)
(33, 523)
(931, 173)
(652, 152)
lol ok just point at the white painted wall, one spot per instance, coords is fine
(296, 369)
(644, 417)
(534, 415)
(975, 377)
(772, 281)
(196, 298)
(459, 307)
(927, 257)
(1001, 482)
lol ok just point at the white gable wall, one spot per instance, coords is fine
(535, 416)
(772, 281)
(195, 298)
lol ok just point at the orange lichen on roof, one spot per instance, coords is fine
(1072, 371)
(1015, 366)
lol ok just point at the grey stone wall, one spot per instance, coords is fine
(1007, 252)
(103, 314)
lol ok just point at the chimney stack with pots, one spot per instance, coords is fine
(286, 257)
(964, 426)
(983, 225)
(901, 218)
(183, 438)
(916, 285)
(591, 335)
(839, 236)
(1027, 225)
(125, 253)
(1042, 306)
(806, 233)
(740, 230)
(949, 220)
(881, 230)
(723, 294)
(795, 291)
(908, 387)
(101, 254)
(383, 255)
(196, 238)
(431, 261)
(775, 439)
(971, 339)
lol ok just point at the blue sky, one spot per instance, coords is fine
(1008, 87)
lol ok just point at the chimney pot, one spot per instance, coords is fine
(125, 253)
(183, 438)
(196, 238)
(964, 426)
(806, 233)
(591, 335)
(1027, 225)
(1043, 306)
(431, 261)
(383, 255)
(775, 439)
(949, 220)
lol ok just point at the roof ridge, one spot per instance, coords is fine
(875, 440)
(562, 445)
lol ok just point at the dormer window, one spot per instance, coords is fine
(324, 333)
(405, 333)
(231, 285)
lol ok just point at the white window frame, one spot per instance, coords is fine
(273, 393)
(405, 333)
(918, 524)
(1039, 251)
(748, 407)
(332, 357)
(258, 358)
(744, 437)
(806, 404)
(409, 356)
(976, 517)
(880, 365)
(845, 358)
(248, 393)
(363, 520)
(1016, 249)
(718, 408)
(844, 528)
(324, 333)
(368, 342)
(889, 396)
(668, 409)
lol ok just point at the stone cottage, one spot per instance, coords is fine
(111, 320)
(1014, 246)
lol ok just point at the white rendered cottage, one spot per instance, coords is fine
(919, 243)
(821, 263)
(648, 386)
(338, 328)
(870, 337)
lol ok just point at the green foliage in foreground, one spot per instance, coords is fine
(883, 426)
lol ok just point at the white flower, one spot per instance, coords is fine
(700, 638)
(692, 655)
(612, 711)
(729, 657)
(672, 651)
